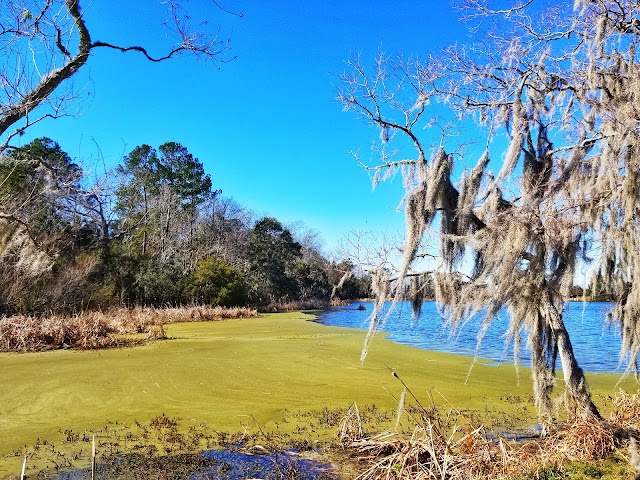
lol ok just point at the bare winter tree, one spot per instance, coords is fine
(46, 42)
(554, 95)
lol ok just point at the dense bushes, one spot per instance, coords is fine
(155, 234)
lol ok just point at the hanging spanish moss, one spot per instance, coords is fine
(345, 276)
(380, 287)
(469, 189)
(567, 188)
(417, 295)
(18, 248)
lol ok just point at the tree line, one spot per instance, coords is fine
(157, 233)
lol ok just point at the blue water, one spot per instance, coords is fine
(240, 466)
(230, 466)
(595, 345)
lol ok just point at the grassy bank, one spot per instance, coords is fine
(239, 374)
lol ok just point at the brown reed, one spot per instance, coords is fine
(97, 329)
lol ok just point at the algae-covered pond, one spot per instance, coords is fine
(277, 375)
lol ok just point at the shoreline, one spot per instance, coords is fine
(267, 373)
(494, 349)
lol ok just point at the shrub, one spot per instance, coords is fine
(216, 282)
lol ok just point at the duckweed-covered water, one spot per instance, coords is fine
(596, 345)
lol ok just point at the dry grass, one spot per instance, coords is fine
(426, 452)
(114, 328)
(627, 411)
(350, 426)
(310, 304)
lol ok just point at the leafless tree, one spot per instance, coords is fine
(553, 94)
(224, 231)
(45, 43)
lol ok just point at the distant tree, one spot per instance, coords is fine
(158, 204)
(599, 290)
(160, 193)
(141, 172)
(185, 174)
(41, 195)
(273, 255)
(224, 231)
(45, 223)
(313, 282)
(349, 283)
(44, 44)
(313, 268)
(563, 83)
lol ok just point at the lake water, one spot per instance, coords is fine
(595, 345)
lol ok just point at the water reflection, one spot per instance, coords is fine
(211, 465)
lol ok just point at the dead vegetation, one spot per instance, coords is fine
(309, 304)
(113, 328)
(505, 217)
(433, 448)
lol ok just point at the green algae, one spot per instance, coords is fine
(264, 374)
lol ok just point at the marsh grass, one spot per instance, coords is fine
(96, 329)
(138, 451)
(445, 445)
(165, 448)
(310, 304)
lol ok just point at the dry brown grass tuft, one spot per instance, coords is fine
(350, 426)
(114, 328)
(426, 454)
(582, 440)
(310, 304)
(627, 410)
(466, 453)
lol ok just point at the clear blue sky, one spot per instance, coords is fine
(266, 126)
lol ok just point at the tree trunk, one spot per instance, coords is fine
(541, 372)
(53, 79)
(577, 394)
(146, 221)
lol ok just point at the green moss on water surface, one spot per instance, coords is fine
(277, 373)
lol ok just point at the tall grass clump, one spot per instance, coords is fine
(448, 447)
(96, 329)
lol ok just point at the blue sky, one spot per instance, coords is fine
(266, 126)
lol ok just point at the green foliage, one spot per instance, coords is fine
(217, 283)
(355, 286)
(158, 285)
(146, 172)
(47, 153)
(185, 174)
(13, 176)
(600, 290)
(39, 185)
(273, 255)
(312, 281)
(47, 256)
(160, 236)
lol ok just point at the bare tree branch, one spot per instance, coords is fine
(562, 86)
(57, 33)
